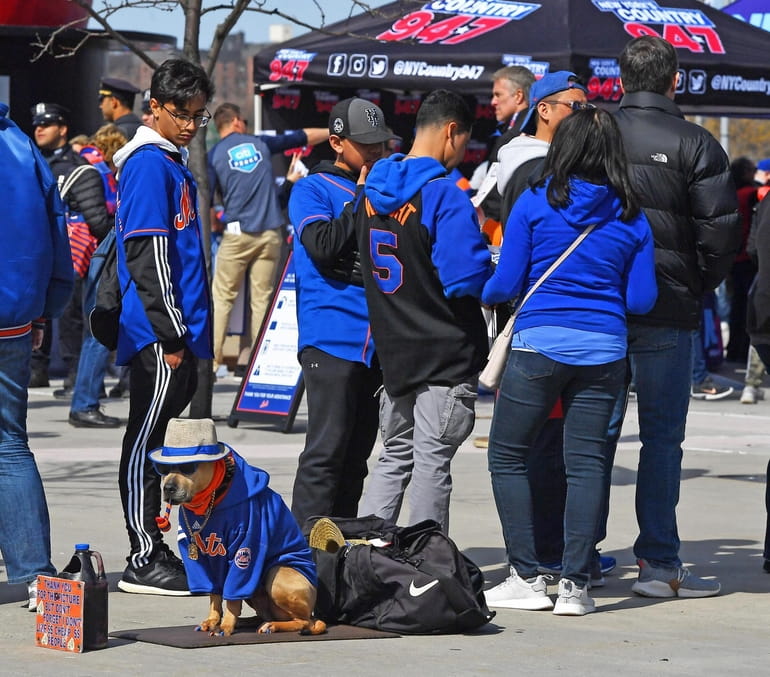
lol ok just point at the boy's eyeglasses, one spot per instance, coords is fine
(197, 120)
(574, 105)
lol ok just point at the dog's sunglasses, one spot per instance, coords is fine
(181, 468)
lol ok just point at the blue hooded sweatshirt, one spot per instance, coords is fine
(36, 276)
(424, 264)
(250, 531)
(610, 273)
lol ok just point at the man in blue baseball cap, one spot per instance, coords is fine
(552, 98)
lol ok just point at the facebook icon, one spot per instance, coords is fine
(337, 64)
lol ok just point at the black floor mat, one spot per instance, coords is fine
(185, 636)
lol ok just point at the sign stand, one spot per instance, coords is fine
(272, 388)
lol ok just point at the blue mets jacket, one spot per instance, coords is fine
(161, 266)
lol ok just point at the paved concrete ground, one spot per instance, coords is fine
(721, 517)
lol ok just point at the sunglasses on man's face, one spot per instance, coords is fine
(185, 469)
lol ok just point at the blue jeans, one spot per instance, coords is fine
(699, 370)
(94, 357)
(660, 360)
(529, 389)
(25, 530)
(92, 367)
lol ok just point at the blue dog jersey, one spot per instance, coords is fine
(248, 533)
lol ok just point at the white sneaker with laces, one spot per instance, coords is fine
(573, 600)
(752, 395)
(517, 593)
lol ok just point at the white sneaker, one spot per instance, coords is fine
(32, 595)
(752, 395)
(573, 600)
(516, 593)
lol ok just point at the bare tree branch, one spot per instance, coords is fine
(222, 31)
(104, 23)
(50, 45)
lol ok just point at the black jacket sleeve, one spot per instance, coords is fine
(714, 209)
(326, 241)
(333, 247)
(146, 259)
(87, 197)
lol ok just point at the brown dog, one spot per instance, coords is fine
(239, 542)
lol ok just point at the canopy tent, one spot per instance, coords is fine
(755, 12)
(417, 46)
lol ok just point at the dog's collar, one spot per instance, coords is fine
(217, 489)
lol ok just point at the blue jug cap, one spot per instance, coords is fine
(82, 546)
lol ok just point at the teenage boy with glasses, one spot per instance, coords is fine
(165, 324)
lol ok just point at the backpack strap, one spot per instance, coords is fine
(73, 176)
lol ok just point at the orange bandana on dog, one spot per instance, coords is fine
(202, 500)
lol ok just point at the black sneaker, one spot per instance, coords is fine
(38, 379)
(166, 553)
(159, 577)
(709, 391)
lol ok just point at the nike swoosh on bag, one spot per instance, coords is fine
(416, 591)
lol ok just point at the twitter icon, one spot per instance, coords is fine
(697, 82)
(378, 66)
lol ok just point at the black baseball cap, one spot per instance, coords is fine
(117, 87)
(359, 120)
(49, 114)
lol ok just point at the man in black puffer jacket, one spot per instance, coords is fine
(85, 199)
(682, 177)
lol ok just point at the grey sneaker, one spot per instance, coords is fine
(573, 600)
(672, 582)
(752, 395)
(517, 593)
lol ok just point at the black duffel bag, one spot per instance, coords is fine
(410, 580)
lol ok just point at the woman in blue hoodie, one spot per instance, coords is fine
(569, 341)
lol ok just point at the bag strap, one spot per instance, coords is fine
(509, 325)
(74, 175)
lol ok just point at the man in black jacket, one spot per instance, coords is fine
(682, 177)
(85, 202)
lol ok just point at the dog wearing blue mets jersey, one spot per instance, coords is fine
(238, 540)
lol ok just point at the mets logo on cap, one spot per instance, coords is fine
(372, 117)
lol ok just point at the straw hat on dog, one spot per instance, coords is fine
(189, 440)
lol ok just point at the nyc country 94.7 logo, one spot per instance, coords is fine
(290, 64)
(452, 22)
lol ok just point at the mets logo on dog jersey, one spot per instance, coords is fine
(242, 558)
(211, 546)
(244, 157)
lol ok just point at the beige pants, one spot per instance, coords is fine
(255, 253)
